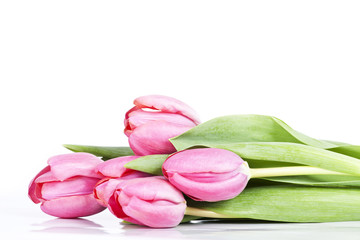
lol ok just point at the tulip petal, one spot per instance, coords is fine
(202, 160)
(72, 207)
(153, 137)
(70, 187)
(167, 104)
(207, 177)
(140, 117)
(211, 192)
(115, 208)
(74, 164)
(128, 129)
(114, 168)
(153, 189)
(104, 189)
(46, 177)
(158, 214)
(33, 186)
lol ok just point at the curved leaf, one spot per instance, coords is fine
(290, 203)
(294, 153)
(244, 128)
(105, 152)
(149, 164)
(319, 180)
(350, 150)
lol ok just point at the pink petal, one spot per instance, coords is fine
(114, 168)
(135, 174)
(128, 129)
(168, 105)
(153, 137)
(202, 160)
(152, 188)
(33, 186)
(211, 192)
(105, 189)
(140, 117)
(46, 177)
(157, 214)
(70, 187)
(72, 207)
(207, 177)
(116, 209)
(74, 164)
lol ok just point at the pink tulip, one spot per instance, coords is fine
(154, 120)
(207, 174)
(151, 201)
(64, 188)
(114, 171)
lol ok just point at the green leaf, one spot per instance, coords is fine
(266, 155)
(149, 164)
(294, 153)
(244, 128)
(105, 152)
(269, 164)
(350, 150)
(188, 218)
(336, 143)
(290, 203)
(319, 180)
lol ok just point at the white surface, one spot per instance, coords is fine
(69, 71)
(21, 220)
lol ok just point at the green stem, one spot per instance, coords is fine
(289, 171)
(204, 213)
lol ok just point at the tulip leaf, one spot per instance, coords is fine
(265, 155)
(244, 128)
(350, 150)
(149, 164)
(319, 180)
(289, 203)
(294, 153)
(269, 164)
(188, 218)
(336, 143)
(105, 152)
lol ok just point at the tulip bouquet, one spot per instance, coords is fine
(178, 169)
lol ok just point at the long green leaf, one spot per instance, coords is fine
(244, 128)
(267, 154)
(149, 164)
(350, 150)
(152, 164)
(294, 153)
(104, 152)
(319, 180)
(290, 203)
(188, 218)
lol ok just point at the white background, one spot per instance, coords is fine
(69, 70)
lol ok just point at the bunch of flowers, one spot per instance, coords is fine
(177, 169)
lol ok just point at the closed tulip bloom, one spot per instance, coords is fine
(151, 201)
(154, 120)
(65, 187)
(114, 171)
(207, 174)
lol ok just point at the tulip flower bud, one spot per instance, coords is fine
(151, 201)
(65, 187)
(114, 171)
(207, 174)
(154, 120)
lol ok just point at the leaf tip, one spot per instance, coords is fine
(71, 147)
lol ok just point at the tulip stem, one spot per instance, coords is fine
(204, 213)
(289, 171)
